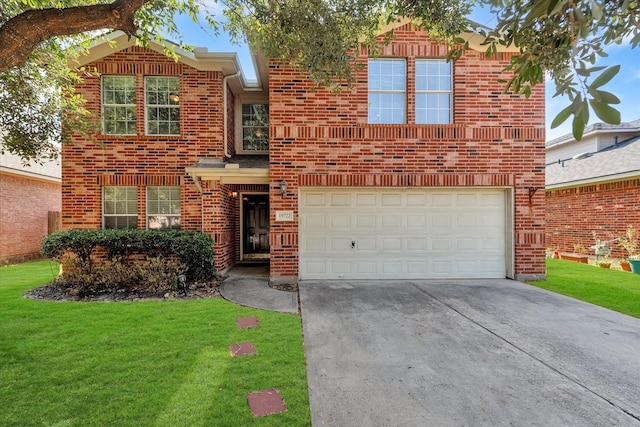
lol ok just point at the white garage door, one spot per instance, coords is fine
(402, 233)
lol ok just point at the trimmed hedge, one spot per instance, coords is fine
(193, 249)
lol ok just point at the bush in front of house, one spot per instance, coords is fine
(97, 261)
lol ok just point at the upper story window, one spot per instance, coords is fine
(162, 104)
(433, 91)
(255, 127)
(118, 105)
(163, 208)
(387, 90)
(119, 207)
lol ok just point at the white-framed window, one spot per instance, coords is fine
(433, 91)
(163, 208)
(387, 90)
(118, 105)
(255, 127)
(119, 207)
(162, 105)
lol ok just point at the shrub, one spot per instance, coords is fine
(630, 242)
(194, 250)
(153, 276)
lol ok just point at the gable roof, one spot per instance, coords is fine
(611, 164)
(474, 38)
(200, 58)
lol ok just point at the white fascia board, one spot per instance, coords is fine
(230, 176)
(596, 180)
(31, 175)
(200, 58)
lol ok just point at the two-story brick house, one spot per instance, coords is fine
(423, 169)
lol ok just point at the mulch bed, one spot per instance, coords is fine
(55, 292)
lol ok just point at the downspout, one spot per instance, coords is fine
(225, 112)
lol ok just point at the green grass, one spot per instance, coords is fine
(613, 289)
(151, 363)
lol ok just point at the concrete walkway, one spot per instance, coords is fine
(249, 286)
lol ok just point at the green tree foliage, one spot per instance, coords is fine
(563, 38)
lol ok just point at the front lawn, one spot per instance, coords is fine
(613, 289)
(149, 363)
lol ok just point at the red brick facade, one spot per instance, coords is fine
(317, 138)
(24, 206)
(323, 139)
(607, 209)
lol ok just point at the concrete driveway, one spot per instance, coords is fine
(466, 353)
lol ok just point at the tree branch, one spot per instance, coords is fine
(20, 35)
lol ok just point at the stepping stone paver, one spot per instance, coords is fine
(266, 402)
(242, 349)
(247, 322)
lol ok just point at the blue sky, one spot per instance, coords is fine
(626, 84)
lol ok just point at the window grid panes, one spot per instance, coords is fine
(120, 207)
(433, 91)
(119, 105)
(255, 127)
(162, 98)
(387, 90)
(163, 208)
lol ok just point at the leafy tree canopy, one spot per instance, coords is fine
(563, 38)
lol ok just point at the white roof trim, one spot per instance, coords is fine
(200, 58)
(230, 175)
(596, 180)
(33, 175)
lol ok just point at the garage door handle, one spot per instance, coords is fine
(353, 244)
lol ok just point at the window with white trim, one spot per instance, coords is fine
(162, 105)
(387, 90)
(433, 91)
(255, 127)
(163, 208)
(119, 207)
(118, 105)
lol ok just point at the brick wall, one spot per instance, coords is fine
(140, 160)
(573, 214)
(322, 138)
(24, 206)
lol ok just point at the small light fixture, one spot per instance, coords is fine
(234, 194)
(283, 187)
(174, 97)
(183, 283)
(259, 133)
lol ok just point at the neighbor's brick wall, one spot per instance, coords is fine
(140, 160)
(572, 214)
(320, 138)
(24, 207)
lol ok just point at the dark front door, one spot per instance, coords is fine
(256, 226)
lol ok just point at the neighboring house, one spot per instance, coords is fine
(30, 204)
(424, 169)
(593, 185)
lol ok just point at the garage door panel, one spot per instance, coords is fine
(313, 199)
(366, 199)
(417, 221)
(366, 221)
(468, 200)
(402, 233)
(314, 222)
(340, 199)
(467, 221)
(440, 200)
